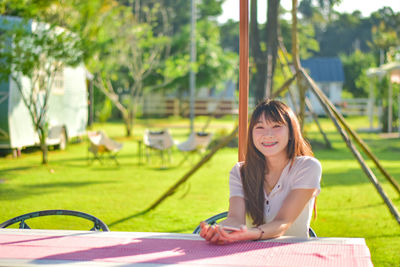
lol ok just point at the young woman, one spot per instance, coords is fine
(272, 192)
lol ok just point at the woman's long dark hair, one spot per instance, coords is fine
(254, 168)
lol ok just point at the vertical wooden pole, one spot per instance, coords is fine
(243, 76)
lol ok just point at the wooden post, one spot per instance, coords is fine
(243, 76)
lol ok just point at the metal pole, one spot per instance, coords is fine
(243, 76)
(192, 78)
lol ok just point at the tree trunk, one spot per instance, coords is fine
(43, 146)
(128, 127)
(264, 61)
(297, 65)
(257, 55)
(128, 121)
(272, 44)
(45, 150)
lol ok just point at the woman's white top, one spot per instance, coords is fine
(304, 173)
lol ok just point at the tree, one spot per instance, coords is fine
(136, 53)
(264, 58)
(213, 65)
(354, 32)
(355, 66)
(230, 36)
(385, 34)
(145, 57)
(38, 54)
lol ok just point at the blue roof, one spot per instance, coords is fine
(324, 69)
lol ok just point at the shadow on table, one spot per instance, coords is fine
(161, 250)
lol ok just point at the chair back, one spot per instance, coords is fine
(160, 140)
(21, 219)
(100, 141)
(196, 141)
(203, 140)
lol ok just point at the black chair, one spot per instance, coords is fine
(214, 220)
(98, 224)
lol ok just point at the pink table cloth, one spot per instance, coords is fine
(46, 246)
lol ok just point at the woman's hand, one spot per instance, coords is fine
(217, 235)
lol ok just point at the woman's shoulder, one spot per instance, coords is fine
(306, 161)
(306, 173)
(237, 166)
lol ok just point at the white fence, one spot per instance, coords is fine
(355, 106)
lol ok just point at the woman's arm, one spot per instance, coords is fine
(291, 208)
(236, 218)
(236, 213)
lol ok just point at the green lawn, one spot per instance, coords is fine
(348, 206)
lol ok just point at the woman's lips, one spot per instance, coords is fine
(269, 144)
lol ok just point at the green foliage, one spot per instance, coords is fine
(386, 34)
(213, 64)
(210, 8)
(180, 15)
(30, 52)
(105, 113)
(307, 38)
(36, 51)
(230, 36)
(355, 66)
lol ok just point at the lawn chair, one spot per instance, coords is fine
(216, 218)
(158, 141)
(98, 224)
(196, 143)
(101, 144)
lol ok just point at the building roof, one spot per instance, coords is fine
(324, 69)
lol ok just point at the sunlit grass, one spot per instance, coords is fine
(348, 206)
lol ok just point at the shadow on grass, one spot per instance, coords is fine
(128, 218)
(14, 193)
(359, 207)
(22, 168)
(382, 236)
(65, 184)
(89, 162)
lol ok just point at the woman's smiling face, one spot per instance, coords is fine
(270, 138)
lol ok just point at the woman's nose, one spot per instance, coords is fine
(268, 132)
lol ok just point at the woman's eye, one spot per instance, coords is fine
(277, 126)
